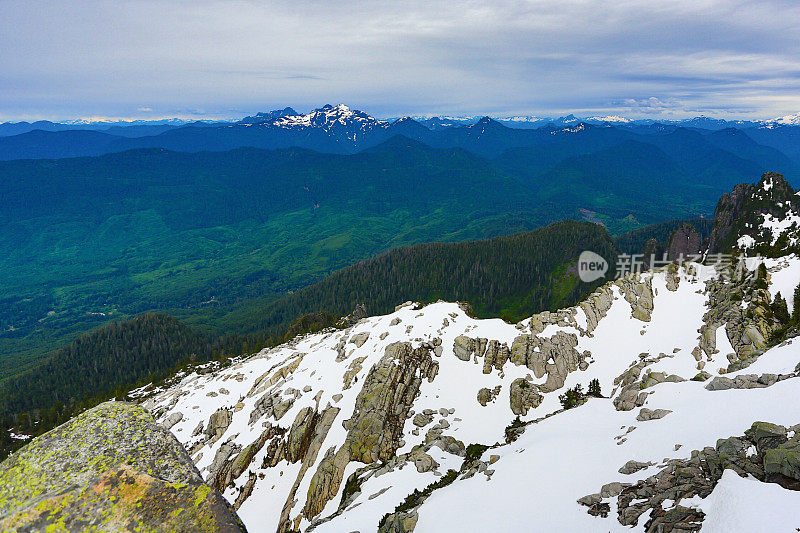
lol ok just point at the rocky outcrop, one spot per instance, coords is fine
(495, 356)
(776, 460)
(630, 397)
(726, 214)
(747, 381)
(399, 522)
(596, 305)
(321, 428)
(360, 338)
(382, 405)
(742, 211)
(463, 347)
(554, 356)
(684, 243)
(639, 293)
(270, 405)
(744, 310)
(649, 414)
(111, 468)
(488, 395)
(359, 312)
(218, 423)
(494, 353)
(524, 396)
(376, 426)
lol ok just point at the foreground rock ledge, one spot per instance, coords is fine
(113, 468)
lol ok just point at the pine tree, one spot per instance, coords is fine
(761, 277)
(780, 309)
(796, 305)
(573, 397)
(594, 388)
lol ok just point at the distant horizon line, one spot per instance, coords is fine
(607, 116)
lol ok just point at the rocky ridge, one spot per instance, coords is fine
(371, 423)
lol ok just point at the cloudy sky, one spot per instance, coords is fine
(643, 58)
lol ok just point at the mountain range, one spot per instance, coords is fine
(339, 129)
(200, 219)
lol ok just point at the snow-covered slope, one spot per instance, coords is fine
(338, 429)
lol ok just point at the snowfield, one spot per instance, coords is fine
(532, 483)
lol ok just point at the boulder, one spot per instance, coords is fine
(629, 397)
(422, 419)
(463, 347)
(524, 396)
(218, 423)
(766, 435)
(112, 467)
(399, 522)
(360, 338)
(783, 460)
(613, 489)
(633, 466)
(424, 463)
(646, 414)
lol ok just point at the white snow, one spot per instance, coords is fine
(538, 478)
(611, 118)
(746, 505)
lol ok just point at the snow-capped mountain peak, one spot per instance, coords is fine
(328, 117)
(787, 120)
(611, 118)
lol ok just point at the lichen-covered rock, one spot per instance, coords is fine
(633, 466)
(422, 419)
(630, 397)
(777, 460)
(495, 357)
(654, 378)
(382, 405)
(399, 522)
(360, 338)
(488, 395)
(596, 305)
(463, 347)
(300, 434)
(638, 293)
(524, 396)
(766, 435)
(113, 468)
(783, 460)
(218, 423)
(424, 462)
(375, 429)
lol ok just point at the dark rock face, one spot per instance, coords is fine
(739, 212)
(652, 250)
(684, 242)
(113, 468)
(727, 212)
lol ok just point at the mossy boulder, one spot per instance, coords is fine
(783, 460)
(113, 468)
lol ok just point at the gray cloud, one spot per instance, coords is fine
(83, 58)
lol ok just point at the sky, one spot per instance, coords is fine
(224, 59)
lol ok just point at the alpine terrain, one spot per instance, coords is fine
(664, 401)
